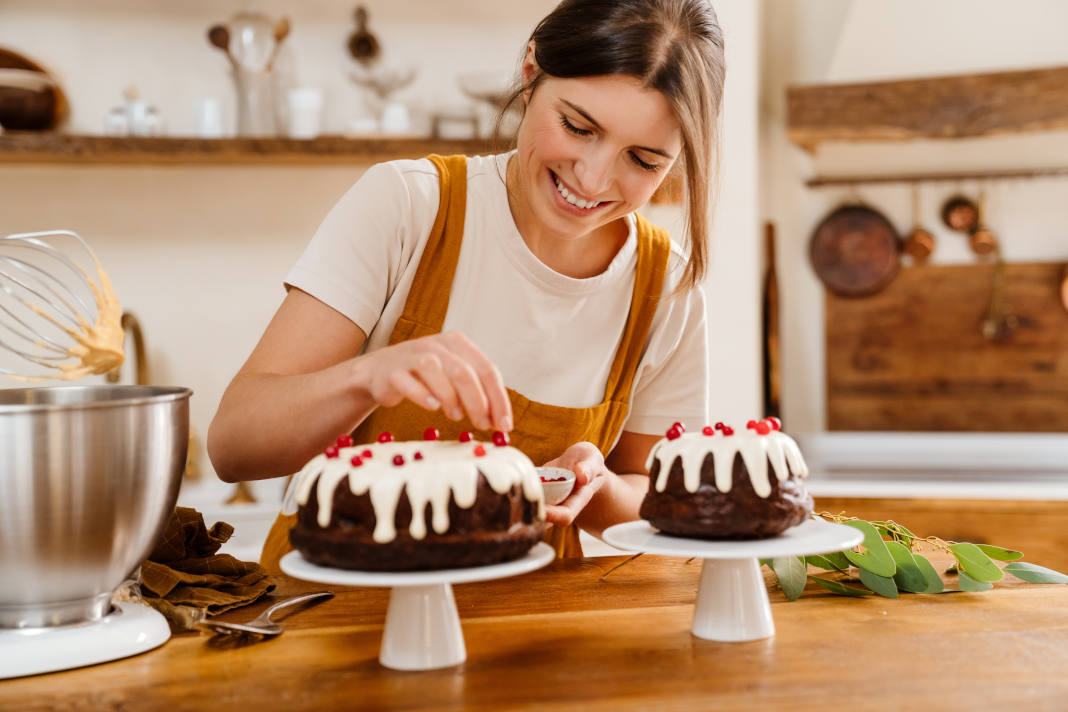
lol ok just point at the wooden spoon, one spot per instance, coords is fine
(281, 31)
(219, 35)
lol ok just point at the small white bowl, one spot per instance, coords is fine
(556, 483)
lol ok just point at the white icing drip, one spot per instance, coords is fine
(447, 469)
(756, 451)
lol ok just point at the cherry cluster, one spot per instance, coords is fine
(762, 427)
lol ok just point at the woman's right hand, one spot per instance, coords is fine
(446, 371)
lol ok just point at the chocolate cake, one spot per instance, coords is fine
(720, 485)
(405, 506)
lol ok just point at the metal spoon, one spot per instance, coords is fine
(262, 625)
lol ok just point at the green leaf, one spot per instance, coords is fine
(882, 585)
(967, 583)
(832, 562)
(908, 576)
(975, 563)
(792, 573)
(1032, 573)
(933, 580)
(765, 562)
(839, 588)
(996, 552)
(877, 558)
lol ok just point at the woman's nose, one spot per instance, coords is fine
(594, 173)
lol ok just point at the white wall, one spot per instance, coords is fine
(823, 41)
(198, 253)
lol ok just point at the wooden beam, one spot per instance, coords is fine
(958, 106)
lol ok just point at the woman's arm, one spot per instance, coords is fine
(602, 497)
(304, 385)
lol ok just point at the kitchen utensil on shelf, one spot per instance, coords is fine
(982, 240)
(281, 31)
(960, 214)
(262, 625)
(50, 308)
(219, 36)
(855, 251)
(88, 477)
(1000, 321)
(363, 46)
(30, 98)
(1064, 289)
(919, 244)
(771, 352)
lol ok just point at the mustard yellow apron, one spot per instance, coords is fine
(541, 431)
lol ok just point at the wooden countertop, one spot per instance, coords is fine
(562, 638)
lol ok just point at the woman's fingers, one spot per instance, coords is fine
(431, 372)
(567, 511)
(584, 459)
(488, 376)
(473, 397)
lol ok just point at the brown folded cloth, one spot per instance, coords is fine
(185, 580)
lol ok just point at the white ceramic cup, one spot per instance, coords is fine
(305, 111)
(208, 118)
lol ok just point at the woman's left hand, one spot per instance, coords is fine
(587, 462)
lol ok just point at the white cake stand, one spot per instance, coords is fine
(732, 601)
(422, 625)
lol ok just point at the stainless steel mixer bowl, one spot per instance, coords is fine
(88, 477)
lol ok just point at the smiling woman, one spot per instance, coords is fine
(519, 292)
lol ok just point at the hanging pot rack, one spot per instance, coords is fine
(1024, 173)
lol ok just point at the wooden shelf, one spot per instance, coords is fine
(960, 106)
(36, 147)
(74, 149)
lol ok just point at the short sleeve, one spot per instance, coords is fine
(672, 382)
(356, 257)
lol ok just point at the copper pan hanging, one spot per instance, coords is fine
(855, 251)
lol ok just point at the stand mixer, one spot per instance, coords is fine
(88, 474)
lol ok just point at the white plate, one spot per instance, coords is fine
(813, 536)
(296, 566)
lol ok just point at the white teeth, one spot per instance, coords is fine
(578, 202)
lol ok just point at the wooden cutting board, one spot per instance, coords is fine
(913, 357)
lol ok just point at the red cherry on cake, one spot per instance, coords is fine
(356, 461)
(499, 438)
(366, 453)
(672, 433)
(750, 425)
(774, 422)
(331, 451)
(398, 460)
(344, 441)
(386, 437)
(479, 451)
(762, 428)
(431, 434)
(728, 430)
(708, 430)
(679, 426)
(720, 425)
(465, 437)
(418, 455)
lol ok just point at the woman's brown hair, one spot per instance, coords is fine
(672, 46)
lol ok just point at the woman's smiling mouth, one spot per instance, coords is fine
(571, 199)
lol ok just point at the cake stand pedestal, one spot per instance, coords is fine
(422, 630)
(732, 601)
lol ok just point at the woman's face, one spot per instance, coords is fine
(591, 150)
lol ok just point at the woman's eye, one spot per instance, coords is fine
(642, 164)
(572, 128)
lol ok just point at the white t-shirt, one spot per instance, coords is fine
(552, 337)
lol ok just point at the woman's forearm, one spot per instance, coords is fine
(617, 501)
(269, 425)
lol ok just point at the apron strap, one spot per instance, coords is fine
(428, 299)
